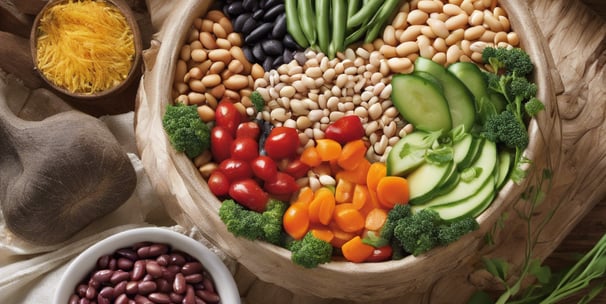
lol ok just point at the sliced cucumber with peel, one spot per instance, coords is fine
(472, 206)
(427, 178)
(420, 102)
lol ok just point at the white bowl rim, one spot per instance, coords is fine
(79, 267)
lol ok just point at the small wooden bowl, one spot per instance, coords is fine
(190, 202)
(133, 74)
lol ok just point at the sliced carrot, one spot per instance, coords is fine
(322, 206)
(328, 149)
(348, 218)
(356, 251)
(324, 234)
(351, 154)
(296, 220)
(310, 157)
(376, 171)
(344, 191)
(375, 219)
(392, 190)
(340, 237)
(305, 196)
(360, 197)
(357, 175)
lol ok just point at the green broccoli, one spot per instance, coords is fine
(396, 213)
(505, 128)
(533, 106)
(257, 100)
(508, 61)
(252, 225)
(186, 131)
(421, 231)
(310, 251)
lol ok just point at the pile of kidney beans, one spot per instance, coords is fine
(262, 24)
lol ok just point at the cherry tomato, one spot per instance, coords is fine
(264, 168)
(218, 183)
(248, 129)
(235, 169)
(282, 142)
(249, 194)
(380, 254)
(228, 116)
(296, 168)
(282, 184)
(345, 129)
(244, 148)
(220, 143)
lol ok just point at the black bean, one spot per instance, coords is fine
(235, 8)
(272, 47)
(239, 21)
(278, 61)
(287, 56)
(271, 3)
(300, 58)
(249, 26)
(289, 42)
(279, 29)
(250, 5)
(258, 33)
(248, 53)
(258, 53)
(258, 14)
(267, 63)
(272, 13)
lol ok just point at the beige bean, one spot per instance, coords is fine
(205, 66)
(211, 80)
(185, 53)
(440, 45)
(417, 17)
(500, 37)
(206, 113)
(411, 33)
(238, 54)
(457, 22)
(208, 41)
(438, 27)
(388, 51)
(399, 65)
(207, 169)
(256, 72)
(197, 86)
(214, 15)
(196, 44)
(454, 37)
(207, 26)
(477, 57)
(466, 47)
(220, 55)
(180, 70)
(451, 9)
(439, 57)
(216, 67)
(406, 48)
(226, 25)
(198, 55)
(453, 53)
(235, 39)
(195, 73)
(399, 21)
(196, 98)
(197, 23)
(427, 32)
(389, 36)
(487, 36)
(223, 43)
(474, 33)
(467, 6)
(492, 22)
(235, 66)
(513, 39)
(504, 23)
(218, 91)
(219, 31)
(234, 95)
(476, 18)
(430, 6)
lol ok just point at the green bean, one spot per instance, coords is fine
(339, 24)
(292, 23)
(352, 7)
(364, 13)
(307, 20)
(323, 24)
(380, 19)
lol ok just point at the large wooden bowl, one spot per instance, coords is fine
(190, 203)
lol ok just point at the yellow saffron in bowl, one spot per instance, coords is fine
(85, 46)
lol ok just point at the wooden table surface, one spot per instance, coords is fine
(15, 26)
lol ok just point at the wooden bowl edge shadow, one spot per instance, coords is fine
(86, 98)
(187, 191)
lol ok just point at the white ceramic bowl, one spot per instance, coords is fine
(85, 262)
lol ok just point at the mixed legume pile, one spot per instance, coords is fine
(313, 91)
(146, 273)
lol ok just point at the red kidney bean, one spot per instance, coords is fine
(154, 269)
(158, 249)
(74, 299)
(125, 264)
(163, 260)
(176, 298)
(102, 300)
(194, 278)
(127, 253)
(113, 264)
(138, 270)
(208, 284)
(192, 268)
(164, 285)
(132, 287)
(148, 277)
(84, 301)
(120, 288)
(177, 259)
(179, 284)
(158, 297)
(93, 283)
(91, 292)
(103, 276)
(190, 296)
(139, 299)
(122, 299)
(207, 296)
(119, 276)
(103, 261)
(147, 287)
(143, 252)
(81, 290)
(106, 292)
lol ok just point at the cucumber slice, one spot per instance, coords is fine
(462, 148)
(407, 154)
(505, 164)
(460, 101)
(420, 102)
(427, 178)
(474, 152)
(446, 185)
(472, 206)
(429, 77)
(471, 76)
(464, 190)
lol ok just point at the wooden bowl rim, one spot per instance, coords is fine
(127, 12)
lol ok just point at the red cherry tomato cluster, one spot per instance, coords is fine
(243, 174)
(345, 129)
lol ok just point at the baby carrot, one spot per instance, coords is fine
(375, 219)
(322, 206)
(324, 234)
(392, 190)
(360, 197)
(344, 191)
(356, 251)
(348, 218)
(296, 220)
(310, 157)
(357, 175)
(328, 149)
(351, 154)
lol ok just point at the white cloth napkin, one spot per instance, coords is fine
(29, 273)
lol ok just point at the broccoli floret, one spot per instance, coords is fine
(310, 251)
(396, 213)
(520, 87)
(533, 106)
(252, 225)
(424, 230)
(186, 131)
(508, 61)
(257, 100)
(506, 128)
(450, 233)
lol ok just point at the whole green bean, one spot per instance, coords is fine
(292, 23)
(364, 14)
(307, 20)
(323, 24)
(386, 10)
(352, 7)
(339, 24)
